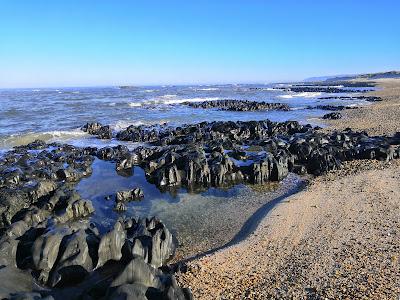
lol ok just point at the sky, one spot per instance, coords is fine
(103, 42)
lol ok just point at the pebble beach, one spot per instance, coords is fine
(337, 239)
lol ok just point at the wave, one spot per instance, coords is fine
(134, 104)
(301, 95)
(123, 124)
(163, 100)
(168, 96)
(207, 89)
(180, 101)
(49, 136)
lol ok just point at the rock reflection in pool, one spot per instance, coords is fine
(105, 181)
(199, 221)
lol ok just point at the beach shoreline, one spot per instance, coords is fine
(339, 238)
(211, 184)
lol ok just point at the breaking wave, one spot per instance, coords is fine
(301, 95)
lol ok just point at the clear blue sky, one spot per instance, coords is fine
(111, 42)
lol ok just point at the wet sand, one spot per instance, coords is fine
(340, 238)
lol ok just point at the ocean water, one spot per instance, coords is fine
(56, 114)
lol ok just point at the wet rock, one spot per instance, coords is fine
(75, 261)
(196, 168)
(29, 296)
(35, 145)
(238, 105)
(129, 195)
(138, 279)
(321, 89)
(163, 246)
(137, 271)
(124, 165)
(332, 116)
(331, 107)
(76, 209)
(102, 132)
(111, 244)
(45, 251)
(223, 171)
(129, 292)
(120, 206)
(168, 176)
(321, 161)
(12, 200)
(69, 174)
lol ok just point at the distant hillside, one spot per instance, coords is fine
(326, 78)
(390, 74)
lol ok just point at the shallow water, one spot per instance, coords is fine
(200, 221)
(57, 114)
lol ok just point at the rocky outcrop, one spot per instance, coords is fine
(320, 89)
(76, 209)
(238, 105)
(45, 251)
(365, 98)
(129, 195)
(332, 107)
(102, 132)
(332, 116)
(138, 280)
(151, 240)
(110, 247)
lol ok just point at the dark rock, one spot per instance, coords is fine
(120, 206)
(74, 261)
(238, 105)
(332, 116)
(111, 245)
(45, 252)
(75, 209)
(129, 195)
(102, 132)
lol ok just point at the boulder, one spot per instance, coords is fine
(45, 251)
(332, 116)
(111, 245)
(129, 195)
(75, 261)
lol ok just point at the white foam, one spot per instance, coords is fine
(170, 100)
(208, 89)
(48, 136)
(134, 104)
(168, 96)
(123, 124)
(301, 95)
(179, 101)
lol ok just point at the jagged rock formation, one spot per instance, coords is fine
(238, 105)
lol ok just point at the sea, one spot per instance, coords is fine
(57, 114)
